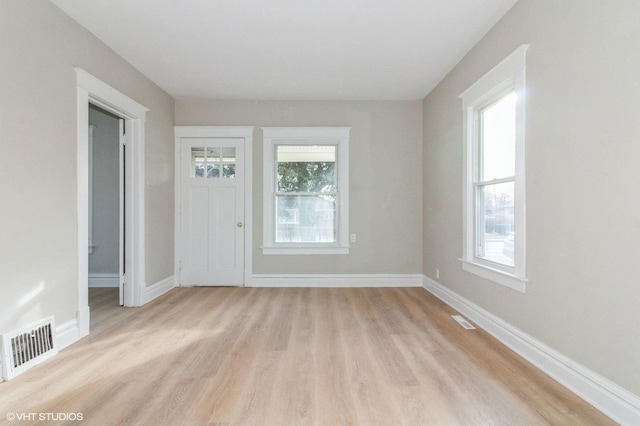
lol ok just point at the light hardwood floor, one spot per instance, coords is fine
(290, 357)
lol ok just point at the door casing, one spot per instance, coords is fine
(92, 90)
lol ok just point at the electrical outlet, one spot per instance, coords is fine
(437, 273)
(353, 238)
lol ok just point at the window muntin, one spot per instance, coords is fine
(306, 190)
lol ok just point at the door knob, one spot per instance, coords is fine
(239, 224)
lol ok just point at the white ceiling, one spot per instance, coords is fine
(291, 49)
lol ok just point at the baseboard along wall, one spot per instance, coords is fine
(335, 280)
(616, 402)
(103, 280)
(158, 289)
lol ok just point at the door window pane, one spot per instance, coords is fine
(229, 171)
(213, 162)
(209, 162)
(213, 170)
(197, 162)
(229, 163)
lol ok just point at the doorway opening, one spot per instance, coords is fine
(106, 187)
(91, 90)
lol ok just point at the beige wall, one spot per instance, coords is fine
(385, 178)
(38, 249)
(582, 151)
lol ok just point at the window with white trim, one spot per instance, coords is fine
(494, 205)
(306, 190)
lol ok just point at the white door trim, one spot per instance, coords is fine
(245, 132)
(122, 246)
(91, 89)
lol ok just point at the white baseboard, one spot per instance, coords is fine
(616, 402)
(67, 334)
(84, 321)
(158, 289)
(335, 280)
(104, 280)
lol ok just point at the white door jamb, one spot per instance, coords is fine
(91, 89)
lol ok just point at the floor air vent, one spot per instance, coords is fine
(22, 349)
(463, 322)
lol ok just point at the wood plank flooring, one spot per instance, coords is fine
(290, 357)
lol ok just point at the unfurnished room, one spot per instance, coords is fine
(343, 212)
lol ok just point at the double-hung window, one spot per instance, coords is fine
(494, 208)
(306, 185)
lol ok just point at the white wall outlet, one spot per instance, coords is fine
(353, 238)
(437, 273)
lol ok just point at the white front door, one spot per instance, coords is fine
(212, 211)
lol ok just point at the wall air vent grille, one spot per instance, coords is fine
(24, 348)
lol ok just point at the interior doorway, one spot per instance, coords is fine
(91, 90)
(106, 249)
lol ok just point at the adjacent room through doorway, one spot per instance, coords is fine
(106, 221)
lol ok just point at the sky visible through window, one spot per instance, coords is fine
(498, 139)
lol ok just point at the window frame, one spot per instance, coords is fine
(507, 76)
(277, 136)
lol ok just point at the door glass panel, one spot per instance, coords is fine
(198, 162)
(229, 171)
(213, 155)
(229, 163)
(213, 170)
(213, 162)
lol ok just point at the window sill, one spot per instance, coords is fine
(289, 250)
(500, 277)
